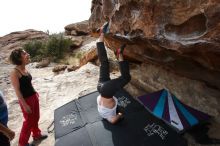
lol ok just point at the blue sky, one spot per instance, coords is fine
(52, 15)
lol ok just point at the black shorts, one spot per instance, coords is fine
(4, 141)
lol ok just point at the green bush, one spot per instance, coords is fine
(55, 48)
(36, 49)
(78, 55)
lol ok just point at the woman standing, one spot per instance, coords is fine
(27, 96)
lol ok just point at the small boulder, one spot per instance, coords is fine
(44, 63)
(59, 68)
(72, 68)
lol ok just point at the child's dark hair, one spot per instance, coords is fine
(15, 56)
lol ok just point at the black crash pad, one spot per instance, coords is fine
(78, 123)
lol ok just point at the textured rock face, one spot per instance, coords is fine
(182, 36)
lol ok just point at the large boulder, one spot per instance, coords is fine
(17, 39)
(175, 43)
(77, 29)
(183, 36)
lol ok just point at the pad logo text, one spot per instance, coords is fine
(123, 101)
(68, 119)
(152, 129)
